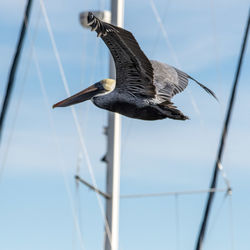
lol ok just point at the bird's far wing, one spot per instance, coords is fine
(182, 82)
(170, 81)
(134, 71)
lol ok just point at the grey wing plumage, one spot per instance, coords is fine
(170, 81)
(134, 72)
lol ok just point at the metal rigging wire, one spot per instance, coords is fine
(222, 141)
(212, 190)
(174, 55)
(231, 222)
(159, 29)
(17, 108)
(214, 31)
(164, 32)
(177, 219)
(14, 65)
(30, 55)
(61, 164)
(75, 118)
(215, 38)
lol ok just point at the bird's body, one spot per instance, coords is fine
(130, 106)
(142, 107)
(143, 88)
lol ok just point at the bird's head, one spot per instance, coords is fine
(108, 85)
(102, 87)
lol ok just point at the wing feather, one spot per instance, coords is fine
(134, 72)
(170, 81)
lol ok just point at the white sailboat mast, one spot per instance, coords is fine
(113, 153)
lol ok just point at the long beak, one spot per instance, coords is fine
(82, 96)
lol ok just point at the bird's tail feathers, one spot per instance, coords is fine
(209, 91)
(172, 112)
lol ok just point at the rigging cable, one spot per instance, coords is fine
(226, 180)
(13, 125)
(92, 76)
(62, 165)
(215, 39)
(14, 65)
(218, 75)
(158, 31)
(75, 118)
(77, 200)
(86, 111)
(212, 190)
(30, 55)
(217, 214)
(164, 32)
(177, 219)
(231, 222)
(174, 55)
(33, 55)
(84, 128)
(17, 108)
(222, 141)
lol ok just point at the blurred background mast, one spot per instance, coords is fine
(113, 132)
(14, 66)
(113, 153)
(218, 166)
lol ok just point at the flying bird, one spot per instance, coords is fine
(143, 88)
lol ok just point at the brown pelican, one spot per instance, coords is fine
(143, 88)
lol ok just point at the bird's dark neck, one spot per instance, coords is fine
(115, 101)
(105, 101)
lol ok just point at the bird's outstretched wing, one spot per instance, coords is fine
(170, 81)
(134, 71)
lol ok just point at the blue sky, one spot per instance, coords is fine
(159, 156)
